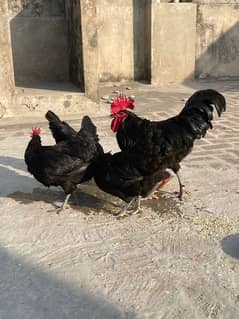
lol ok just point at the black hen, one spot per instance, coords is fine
(65, 163)
(163, 144)
(117, 175)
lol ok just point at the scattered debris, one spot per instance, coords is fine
(105, 97)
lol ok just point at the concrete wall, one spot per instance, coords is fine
(217, 53)
(73, 18)
(173, 42)
(39, 40)
(216, 1)
(90, 47)
(6, 67)
(122, 39)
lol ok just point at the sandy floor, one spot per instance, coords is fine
(174, 260)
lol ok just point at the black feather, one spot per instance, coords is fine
(163, 144)
(66, 163)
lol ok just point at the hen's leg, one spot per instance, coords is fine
(138, 207)
(125, 211)
(65, 204)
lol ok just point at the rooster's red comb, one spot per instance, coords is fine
(121, 102)
(35, 131)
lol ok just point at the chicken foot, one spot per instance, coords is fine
(125, 212)
(65, 205)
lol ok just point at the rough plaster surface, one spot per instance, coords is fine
(6, 67)
(73, 17)
(86, 264)
(38, 40)
(36, 8)
(33, 102)
(122, 31)
(173, 42)
(40, 50)
(217, 53)
(90, 47)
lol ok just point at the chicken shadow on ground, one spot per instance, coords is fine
(31, 292)
(230, 245)
(19, 185)
(23, 188)
(165, 205)
(86, 203)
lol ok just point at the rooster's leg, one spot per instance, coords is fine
(153, 194)
(181, 187)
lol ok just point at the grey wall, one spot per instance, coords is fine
(6, 67)
(73, 18)
(122, 39)
(173, 42)
(217, 50)
(39, 40)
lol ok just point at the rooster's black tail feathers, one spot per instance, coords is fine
(197, 113)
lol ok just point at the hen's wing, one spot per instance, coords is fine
(116, 175)
(52, 165)
(89, 137)
(88, 126)
(60, 129)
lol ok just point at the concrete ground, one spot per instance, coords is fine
(174, 260)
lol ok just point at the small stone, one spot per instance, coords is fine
(128, 88)
(105, 97)
(132, 97)
(116, 92)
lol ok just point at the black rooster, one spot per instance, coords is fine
(65, 163)
(160, 145)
